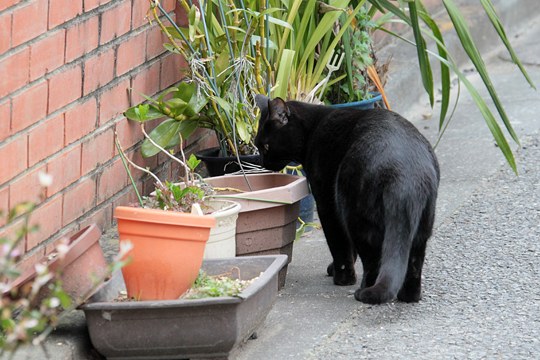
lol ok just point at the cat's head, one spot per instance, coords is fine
(278, 139)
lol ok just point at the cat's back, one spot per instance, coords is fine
(381, 139)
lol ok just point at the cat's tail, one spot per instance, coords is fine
(401, 219)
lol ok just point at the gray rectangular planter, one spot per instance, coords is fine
(184, 329)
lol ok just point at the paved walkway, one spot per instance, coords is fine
(481, 296)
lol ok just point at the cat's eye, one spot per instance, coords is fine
(266, 147)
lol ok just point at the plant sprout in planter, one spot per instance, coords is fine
(170, 196)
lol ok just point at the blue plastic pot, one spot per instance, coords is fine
(360, 105)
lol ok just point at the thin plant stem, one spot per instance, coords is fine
(137, 166)
(182, 163)
(141, 202)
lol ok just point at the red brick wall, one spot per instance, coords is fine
(65, 67)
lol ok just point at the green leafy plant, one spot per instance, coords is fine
(414, 14)
(26, 315)
(217, 285)
(222, 46)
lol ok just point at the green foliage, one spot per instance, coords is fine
(216, 286)
(180, 107)
(176, 197)
(29, 312)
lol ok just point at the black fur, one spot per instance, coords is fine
(374, 178)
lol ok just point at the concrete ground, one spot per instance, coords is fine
(481, 297)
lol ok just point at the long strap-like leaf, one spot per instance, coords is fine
(445, 71)
(423, 61)
(492, 14)
(472, 51)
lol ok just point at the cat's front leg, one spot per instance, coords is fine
(343, 274)
(343, 254)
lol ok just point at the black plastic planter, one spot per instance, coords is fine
(220, 165)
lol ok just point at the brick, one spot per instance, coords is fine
(138, 13)
(129, 133)
(5, 120)
(64, 88)
(113, 102)
(27, 187)
(45, 139)
(29, 21)
(30, 260)
(169, 5)
(145, 82)
(115, 23)
(82, 38)
(65, 169)
(113, 179)
(4, 4)
(4, 204)
(136, 157)
(102, 217)
(98, 70)
(14, 155)
(172, 70)
(78, 200)
(96, 151)
(61, 11)
(154, 42)
(29, 106)
(47, 54)
(92, 4)
(5, 25)
(17, 65)
(80, 121)
(128, 198)
(10, 232)
(131, 53)
(49, 219)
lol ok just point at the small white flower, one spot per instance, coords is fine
(45, 180)
(30, 323)
(54, 302)
(125, 247)
(63, 247)
(40, 268)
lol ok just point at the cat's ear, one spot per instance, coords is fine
(279, 111)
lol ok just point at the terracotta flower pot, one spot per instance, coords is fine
(167, 250)
(83, 263)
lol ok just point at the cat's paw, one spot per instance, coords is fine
(344, 277)
(373, 295)
(410, 294)
(330, 269)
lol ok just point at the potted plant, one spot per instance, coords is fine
(414, 16)
(169, 231)
(222, 47)
(207, 327)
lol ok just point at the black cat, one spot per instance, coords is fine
(374, 178)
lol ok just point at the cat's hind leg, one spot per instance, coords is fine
(411, 291)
